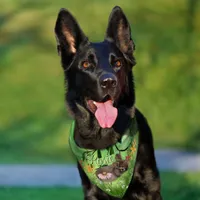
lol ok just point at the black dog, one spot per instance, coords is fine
(100, 95)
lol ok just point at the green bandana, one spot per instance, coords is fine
(110, 169)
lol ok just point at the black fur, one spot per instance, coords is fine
(85, 83)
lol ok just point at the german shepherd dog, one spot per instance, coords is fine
(101, 97)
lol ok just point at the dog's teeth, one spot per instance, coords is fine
(94, 102)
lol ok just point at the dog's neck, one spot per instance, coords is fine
(88, 133)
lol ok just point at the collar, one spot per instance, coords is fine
(110, 169)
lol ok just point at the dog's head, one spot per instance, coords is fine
(98, 75)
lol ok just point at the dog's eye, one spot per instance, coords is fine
(118, 63)
(85, 64)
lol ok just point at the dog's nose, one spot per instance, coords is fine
(108, 81)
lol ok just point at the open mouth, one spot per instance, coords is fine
(92, 105)
(104, 111)
(106, 176)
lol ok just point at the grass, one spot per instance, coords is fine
(34, 124)
(41, 194)
(174, 186)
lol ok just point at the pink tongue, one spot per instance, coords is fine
(106, 114)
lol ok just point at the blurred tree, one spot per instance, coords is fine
(190, 29)
(190, 18)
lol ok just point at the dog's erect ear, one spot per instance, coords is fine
(119, 32)
(69, 35)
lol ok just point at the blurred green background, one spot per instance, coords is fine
(34, 122)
